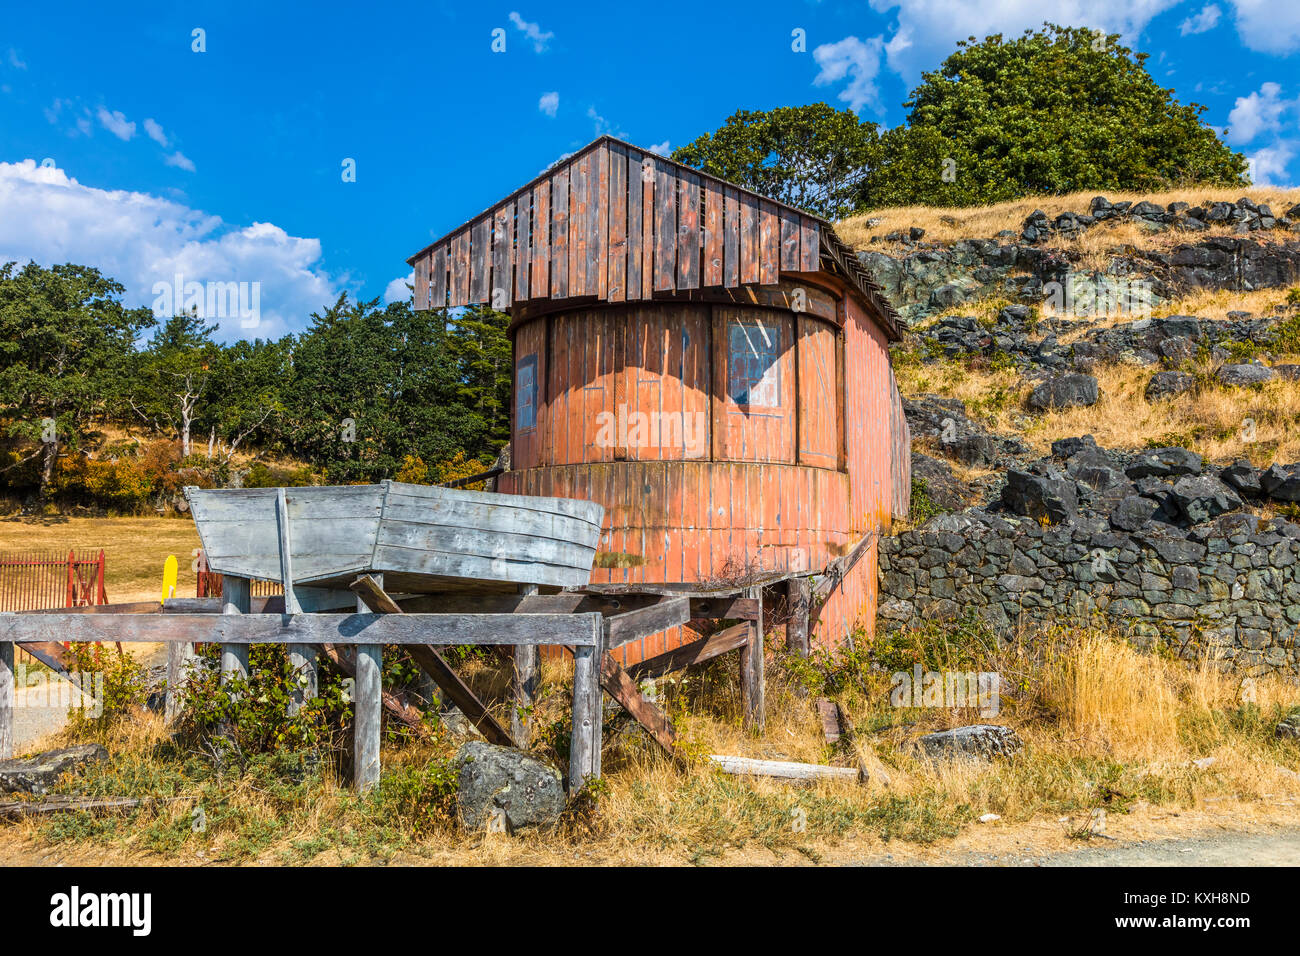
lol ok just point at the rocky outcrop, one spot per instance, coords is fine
(975, 742)
(38, 774)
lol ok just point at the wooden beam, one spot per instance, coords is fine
(729, 608)
(367, 722)
(784, 770)
(235, 594)
(752, 678)
(239, 630)
(457, 691)
(302, 657)
(798, 594)
(633, 625)
(527, 666)
(620, 685)
(697, 652)
(585, 736)
(7, 694)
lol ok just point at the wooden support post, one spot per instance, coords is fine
(7, 695)
(798, 592)
(752, 681)
(236, 598)
(368, 695)
(527, 665)
(302, 657)
(584, 743)
(180, 657)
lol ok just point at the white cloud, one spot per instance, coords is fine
(180, 161)
(140, 239)
(155, 132)
(397, 291)
(1268, 166)
(549, 103)
(531, 30)
(1269, 26)
(853, 60)
(15, 60)
(1203, 22)
(115, 123)
(1263, 111)
(662, 149)
(930, 29)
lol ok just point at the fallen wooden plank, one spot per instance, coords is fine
(697, 652)
(829, 712)
(785, 770)
(246, 628)
(433, 664)
(16, 809)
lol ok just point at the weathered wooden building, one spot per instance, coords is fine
(708, 364)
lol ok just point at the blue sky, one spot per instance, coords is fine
(123, 147)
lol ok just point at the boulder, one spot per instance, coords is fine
(36, 775)
(1169, 384)
(1288, 727)
(1239, 376)
(508, 785)
(1040, 497)
(1281, 482)
(1163, 462)
(1132, 513)
(1242, 477)
(1203, 497)
(1069, 447)
(1065, 391)
(975, 742)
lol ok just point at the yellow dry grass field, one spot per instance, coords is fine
(134, 548)
(983, 222)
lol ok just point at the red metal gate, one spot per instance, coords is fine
(36, 581)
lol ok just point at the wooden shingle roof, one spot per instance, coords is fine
(617, 223)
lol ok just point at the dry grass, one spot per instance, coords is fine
(134, 548)
(983, 222)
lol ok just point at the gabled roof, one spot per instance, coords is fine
(618, 223)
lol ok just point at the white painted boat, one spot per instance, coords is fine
(421, 538)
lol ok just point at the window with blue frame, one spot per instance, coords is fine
(526, 393)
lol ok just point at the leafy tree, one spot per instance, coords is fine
(480, 346)
(174, 374)
(66, 345)
(1056, 110)
(812, 157)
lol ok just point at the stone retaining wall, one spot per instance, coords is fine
(1230, 586)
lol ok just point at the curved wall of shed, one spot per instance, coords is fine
(712, 434)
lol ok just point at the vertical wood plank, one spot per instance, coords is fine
(8, 694)
(420, 299)
(635, 235)
(665, 227)
(712, 233)
(648, 176)
(789, 240)
(752, 677)
(749, 262)
(460, 269)
(616, 272)
(480, 259)
(438, 277)
(523, 241)
(769, 251)
(688, 232)
(809, 239)
(527, 668)
(367, 707)
(560, 234)
(731, 237)
(503, 228)
(302, 657)
(540, 259)
(236, 598)
(585, 740)
(180, 657)
(798, 596)
(598, 210)
(579, 237)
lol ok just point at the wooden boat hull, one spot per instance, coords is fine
(421, 538)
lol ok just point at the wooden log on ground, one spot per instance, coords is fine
(458, 692)
(367, 724)
(62, 803)
(785, 770)
(527, 666)
(752, 678)
(7, 699)
(696, 652)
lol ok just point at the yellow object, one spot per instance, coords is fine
(169, 578)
